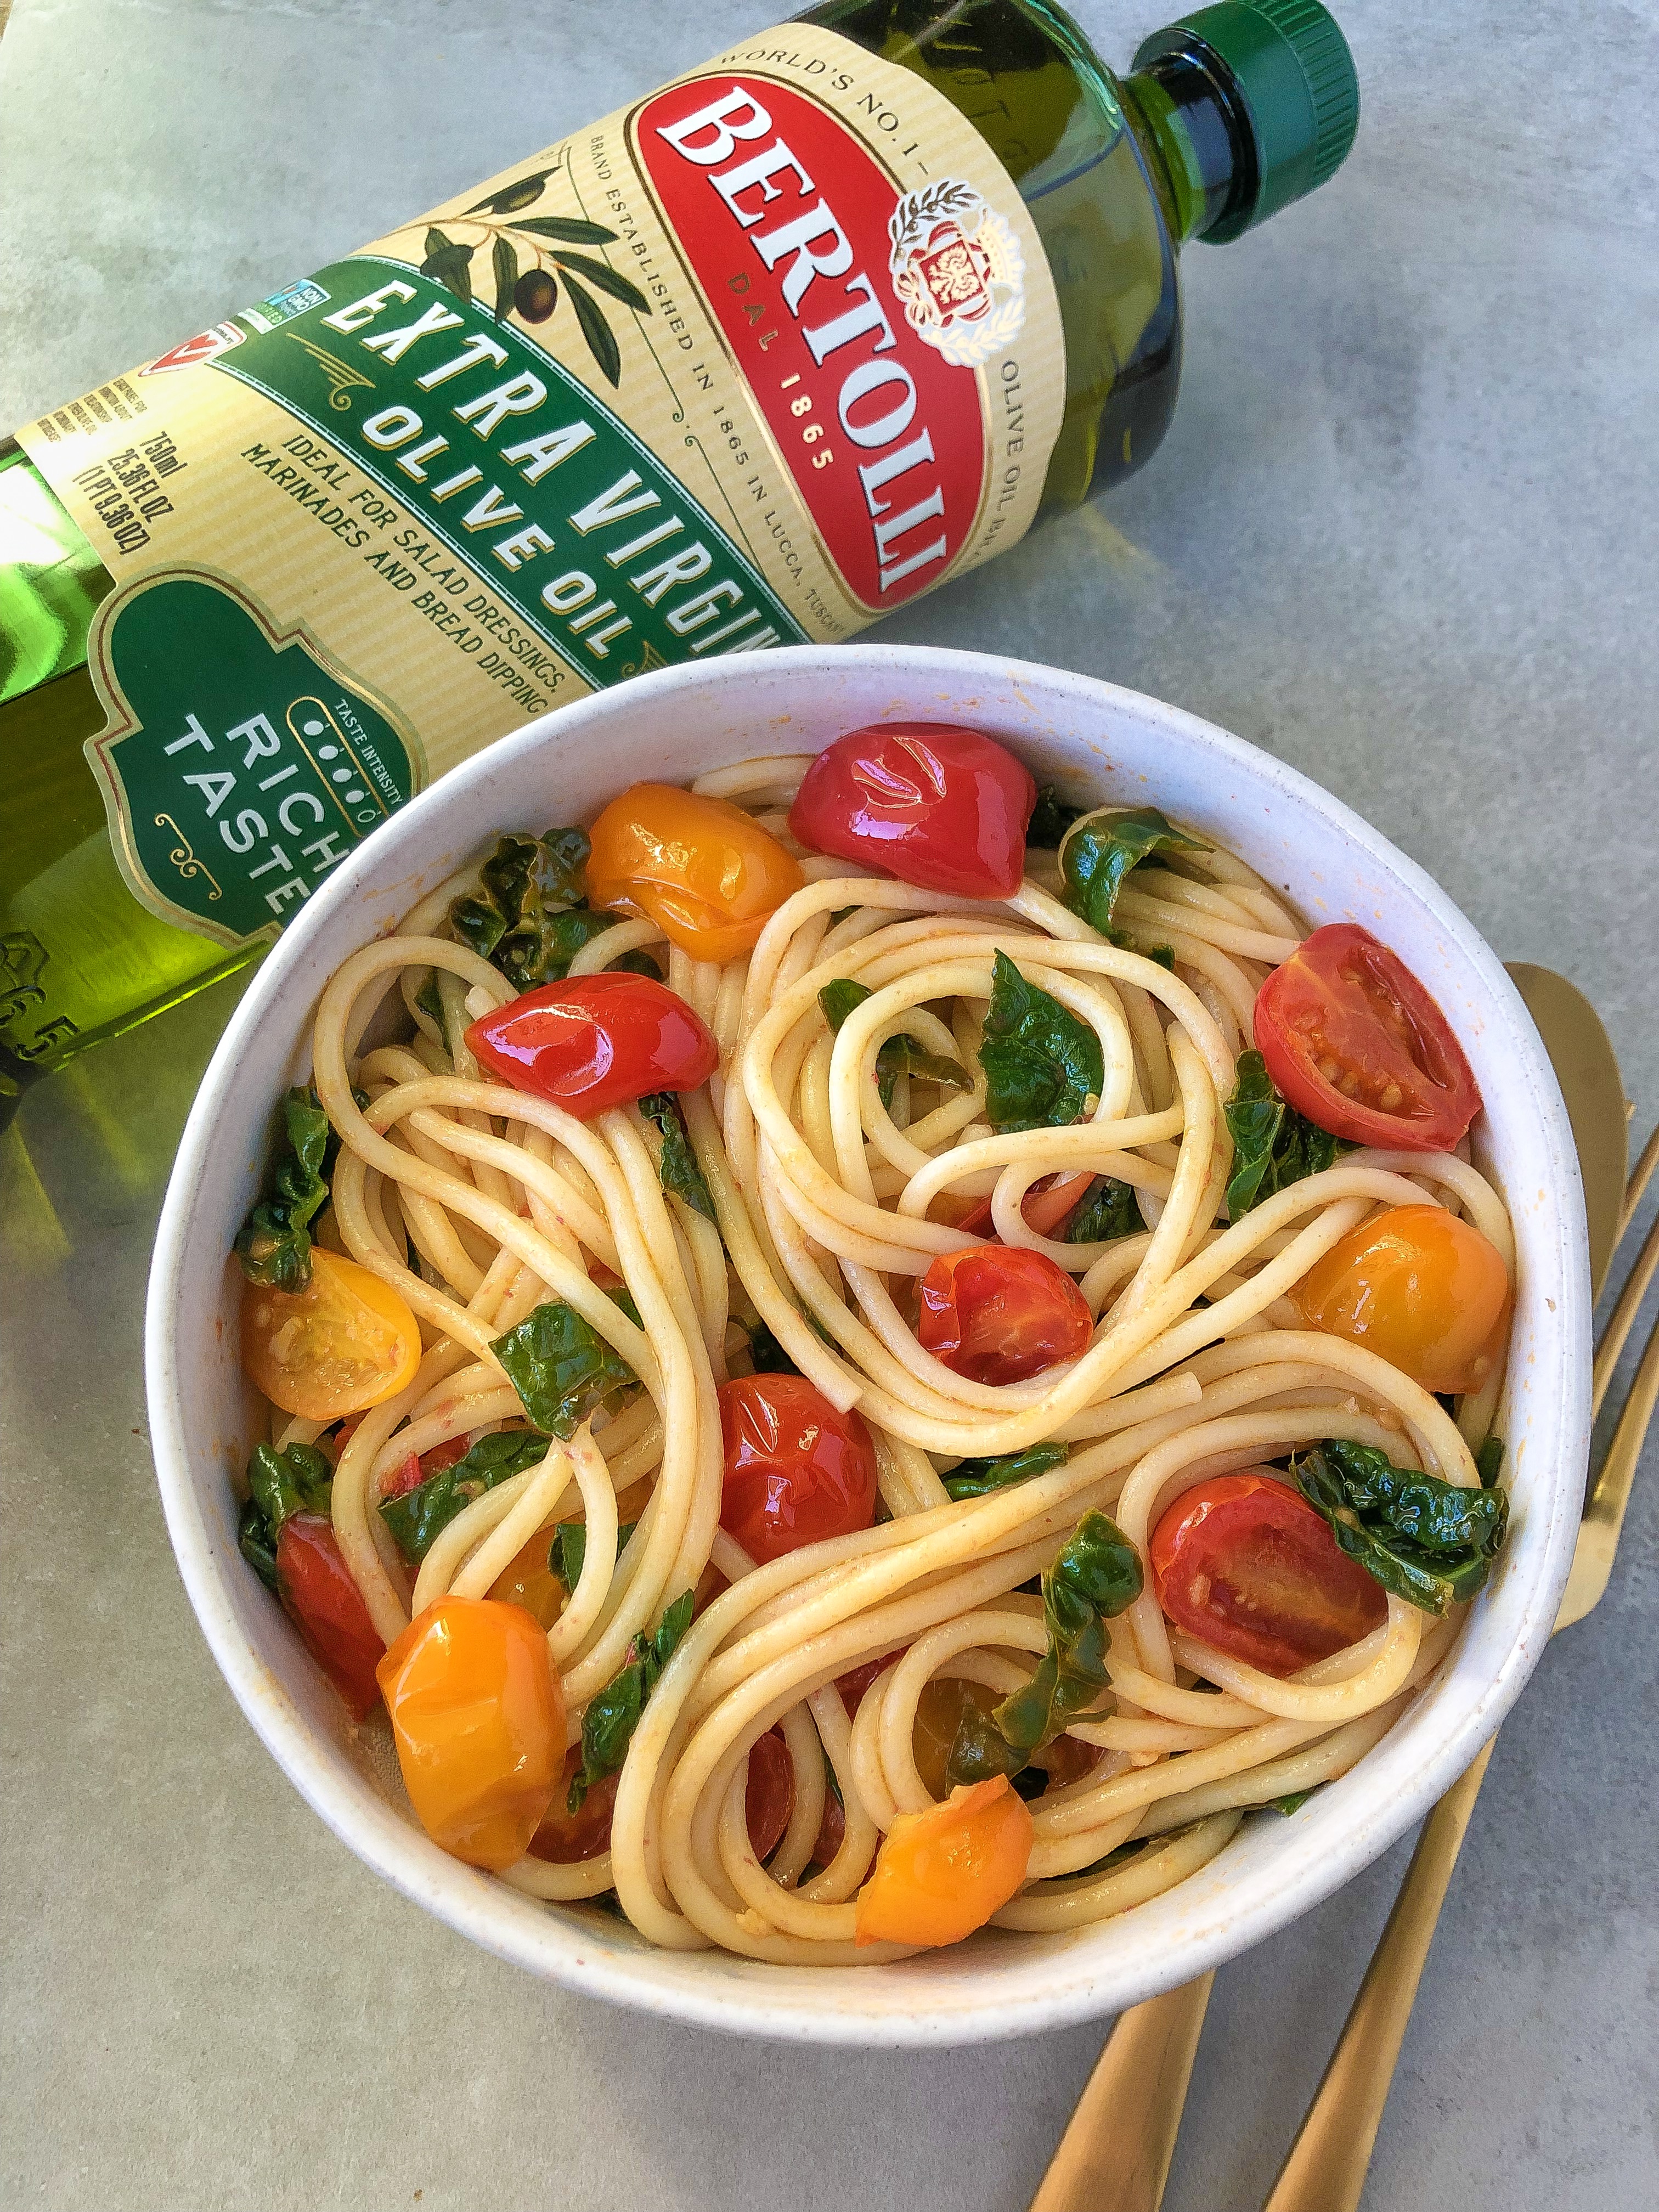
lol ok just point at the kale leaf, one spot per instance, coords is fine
(568, 1553)
(561, 1369)
(898, 1055)
(1095, 1577)
(678, 1167)
(1100, 853)
(978, 1478)
(1489, 1462)
(274, 1243)
(297, 1480)
(1108, 1211)
(531, 918)
(1051, 817)
(1428, 1541)
(766, 1355)
(1042, 1065)
(613, 1713)
(419, 1515)
(1293, 1803)
(1273, 1145)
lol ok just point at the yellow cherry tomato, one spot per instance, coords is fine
(347, 1341)
(1427, 1292)
(528, 1581)
(478, 1716)
(941, 1873)
(705, 872)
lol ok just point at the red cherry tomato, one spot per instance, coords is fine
(997, 1315)
(410, 1473)
(832, 1829)
(769, 1796)
(935, 806)
(1357, 1044)
(1244, 1564)
(566, 1839)
(796, 1470)
(326, 1606)
(597, 1041)
(1046, 1207)
(853, 1685)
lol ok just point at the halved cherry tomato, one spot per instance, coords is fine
(854, 1684)
(933, 805)
(796, 1470)
(1044, 1207)
(998, 1313)
(347, 1341)
(597, 1041)
(1427, 1292)
(769, 1794)
(567, 1838)
(1357, 1044)
(528, 1580)
(704, 872)
(409, 1474)
(941, 1873)
(939, 1712)
(325, 1604)
(478, 1714)
(1244, 1564)
(832, 1828)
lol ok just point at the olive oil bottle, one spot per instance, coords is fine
(818, 325)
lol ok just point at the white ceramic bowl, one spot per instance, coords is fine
(1122, 746)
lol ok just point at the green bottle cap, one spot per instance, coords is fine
(1289, 65)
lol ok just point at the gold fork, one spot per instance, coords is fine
(1115, 2155)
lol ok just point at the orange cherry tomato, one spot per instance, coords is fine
(528, 1581)
(325, 1604)
(939, 1711)
(345, 1343)
(999, 1314)
(797, 1471)
(1244, 1564)
(941, 1873)
(596, 1041)
(1357, 1044)
(478, 1717)
(1425, 1290)
(704, 872)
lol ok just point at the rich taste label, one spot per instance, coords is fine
(743, 365)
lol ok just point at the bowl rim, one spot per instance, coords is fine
(743, 1997)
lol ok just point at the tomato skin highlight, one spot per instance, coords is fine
(706, 873)
(1244, 1564)
(320, 1598)
(596, 1041)
(935, 805)
(797, 1471)
(1000, 1313)
(941, 1873)
(345, 1343)
(478, 1714)
(1354, 1041)
(1427, 1292)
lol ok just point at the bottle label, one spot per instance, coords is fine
(746, 364)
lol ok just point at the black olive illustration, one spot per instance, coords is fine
(535, 296)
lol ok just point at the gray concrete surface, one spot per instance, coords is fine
(1403, 534)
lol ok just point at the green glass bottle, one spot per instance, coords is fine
(1229, 114)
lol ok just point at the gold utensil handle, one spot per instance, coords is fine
(1114, 2156)
(1326, 2169)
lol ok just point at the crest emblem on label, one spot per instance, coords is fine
(206, 345)
(957, 272)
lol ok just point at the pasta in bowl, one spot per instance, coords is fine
(938, 1370)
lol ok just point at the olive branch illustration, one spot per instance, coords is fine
(529, 287)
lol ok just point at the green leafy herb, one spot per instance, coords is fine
(1428, 1541)
(568, 1553)
(1273, 1145)
(1108, 1211)
(297, 1480)
(274, 1243)
(1042, 1065)
(1051, 817)
(677, 1164)
(419, 1515)
(766, 1355)
(978, 1478)
(634, 963)
(1293, 1803)
(429, 1001)
(1096, 1576)
(1489, 1462)
(898, 1055)
(561, 1369)
(613, 1713)
(1101, 851)
(529, 918)
(1163, 954)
